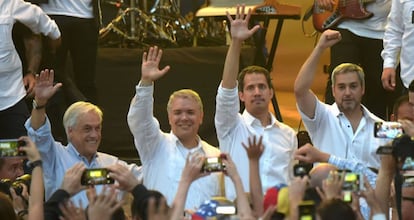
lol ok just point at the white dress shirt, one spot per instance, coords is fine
(73, 8)
(11, 77)
(372, 27)
(331, 132)
(233, 128)
(399, 39)
(162, 155)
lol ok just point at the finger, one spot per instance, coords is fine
(243, 11)
(320, 193)
(238, 11)
(159, 55)
(144, 57)
(229, 17)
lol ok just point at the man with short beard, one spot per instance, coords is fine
(345, 128)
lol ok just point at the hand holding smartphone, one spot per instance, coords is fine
(11, 148)
(96, 176)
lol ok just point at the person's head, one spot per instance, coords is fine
(319, 173)
(185, 114)
(402, 109)
(335, 209)
(255, 89)
(11, 168)
(83, 124)
(139, 206)
(407, 203)
(348, 86)
(6, 208)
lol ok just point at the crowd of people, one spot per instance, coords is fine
(258, 169)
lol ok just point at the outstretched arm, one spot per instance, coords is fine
(305, 98)
(239, 32)
(44, 90)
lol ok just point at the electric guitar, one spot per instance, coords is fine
(342, 9)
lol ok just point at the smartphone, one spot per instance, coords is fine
(96, 176)
(303, 138)
(302, 169)
(213, 164)
(307, 210)
(11, 148)
(388, 129)
(353, 182)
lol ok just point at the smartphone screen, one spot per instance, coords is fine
(96, 176)
(11, 148)
(388, 129)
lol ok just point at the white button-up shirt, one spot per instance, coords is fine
(11, 77)
(233, 128)
(163, 156)
(331, 132)
(399, 39)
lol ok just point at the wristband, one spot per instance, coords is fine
(35, 164)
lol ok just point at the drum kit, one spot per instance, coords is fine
(136, 25)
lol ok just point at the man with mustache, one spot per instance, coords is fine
(345, 128)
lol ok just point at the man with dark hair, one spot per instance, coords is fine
(253, 87)
(345, 128)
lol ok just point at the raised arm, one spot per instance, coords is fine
(239, 32)
(243, 206)
(254, 152)
(44, 90)
(305, 98)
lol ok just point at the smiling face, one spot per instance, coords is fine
(185, 117)
(348, 91)
(256, 93)
(85, 134)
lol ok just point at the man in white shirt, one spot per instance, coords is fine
(398, 44)
(163, 155)
(255, 91)
(13, 108)
(345, 128)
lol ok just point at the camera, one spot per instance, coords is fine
(11, 148)
(213, 164)
(388, 129)
(302, 169)
(96, 176)
(6, 184)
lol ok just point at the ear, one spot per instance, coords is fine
(241, 96)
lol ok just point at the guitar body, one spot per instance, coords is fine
(342, 9)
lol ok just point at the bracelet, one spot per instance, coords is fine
(36, 163)
(37, 106)
(22, 213)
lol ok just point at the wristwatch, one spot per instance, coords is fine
(36, 106)
(35, 164)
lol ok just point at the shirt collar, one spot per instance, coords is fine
(365, 112)
(75, 152)
(250, 119)
(178, 142)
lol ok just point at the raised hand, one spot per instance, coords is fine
(150, 65)
(329, 38)
(72, 179)
(125, 179)
(44, 88)
(30, 149)
(104, 205)
(254, 149)
(240, 25)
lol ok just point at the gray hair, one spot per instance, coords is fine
(70, 118)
